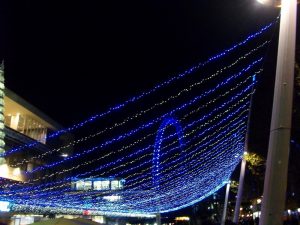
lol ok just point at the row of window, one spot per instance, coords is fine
(97, 185)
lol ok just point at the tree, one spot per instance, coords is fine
(255, 163)
(254, 176)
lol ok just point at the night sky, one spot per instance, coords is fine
(73, 59)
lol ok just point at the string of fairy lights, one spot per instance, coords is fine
(137, 115)
(172, 152)
(192, 132)
(39, 188)
(80, 202)
(52, 194)
(76, 197)
(56, 193)
(154, 89)
(150, 123)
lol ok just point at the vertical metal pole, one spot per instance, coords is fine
(273, 202)
(158, 219)
(225, 204)
(240, 193)
(243, 167)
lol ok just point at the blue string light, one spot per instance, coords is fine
(157, 146)
(177, 170)
(146, 93)
(235, 96)
(135, 116)
(154, 121)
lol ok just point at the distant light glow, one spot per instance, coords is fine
(182, 218)
(4, 206)
(4, 170)
(263, 1)
(275, 3)
(112, 198)
(16, 172)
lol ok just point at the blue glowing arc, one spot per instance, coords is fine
(157, 146)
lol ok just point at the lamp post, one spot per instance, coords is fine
(225, 204)
(240, 189)
(275, 183)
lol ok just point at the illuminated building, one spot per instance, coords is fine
(22, 124)
(25, 124)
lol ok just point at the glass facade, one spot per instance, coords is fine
(27, 125)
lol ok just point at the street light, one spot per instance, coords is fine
(275, 182)
(276, 3)
(225, 203)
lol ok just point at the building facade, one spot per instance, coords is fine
(25, 125)
(23, 139)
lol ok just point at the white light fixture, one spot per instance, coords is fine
(112, 198)
(263, 1)
(4, 206)
(4, 170)
(276, 3)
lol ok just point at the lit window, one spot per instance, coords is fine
(105, 184)
(101, 185)
(98, 185)
(87, 185)
(114, 184)
(80, 185)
